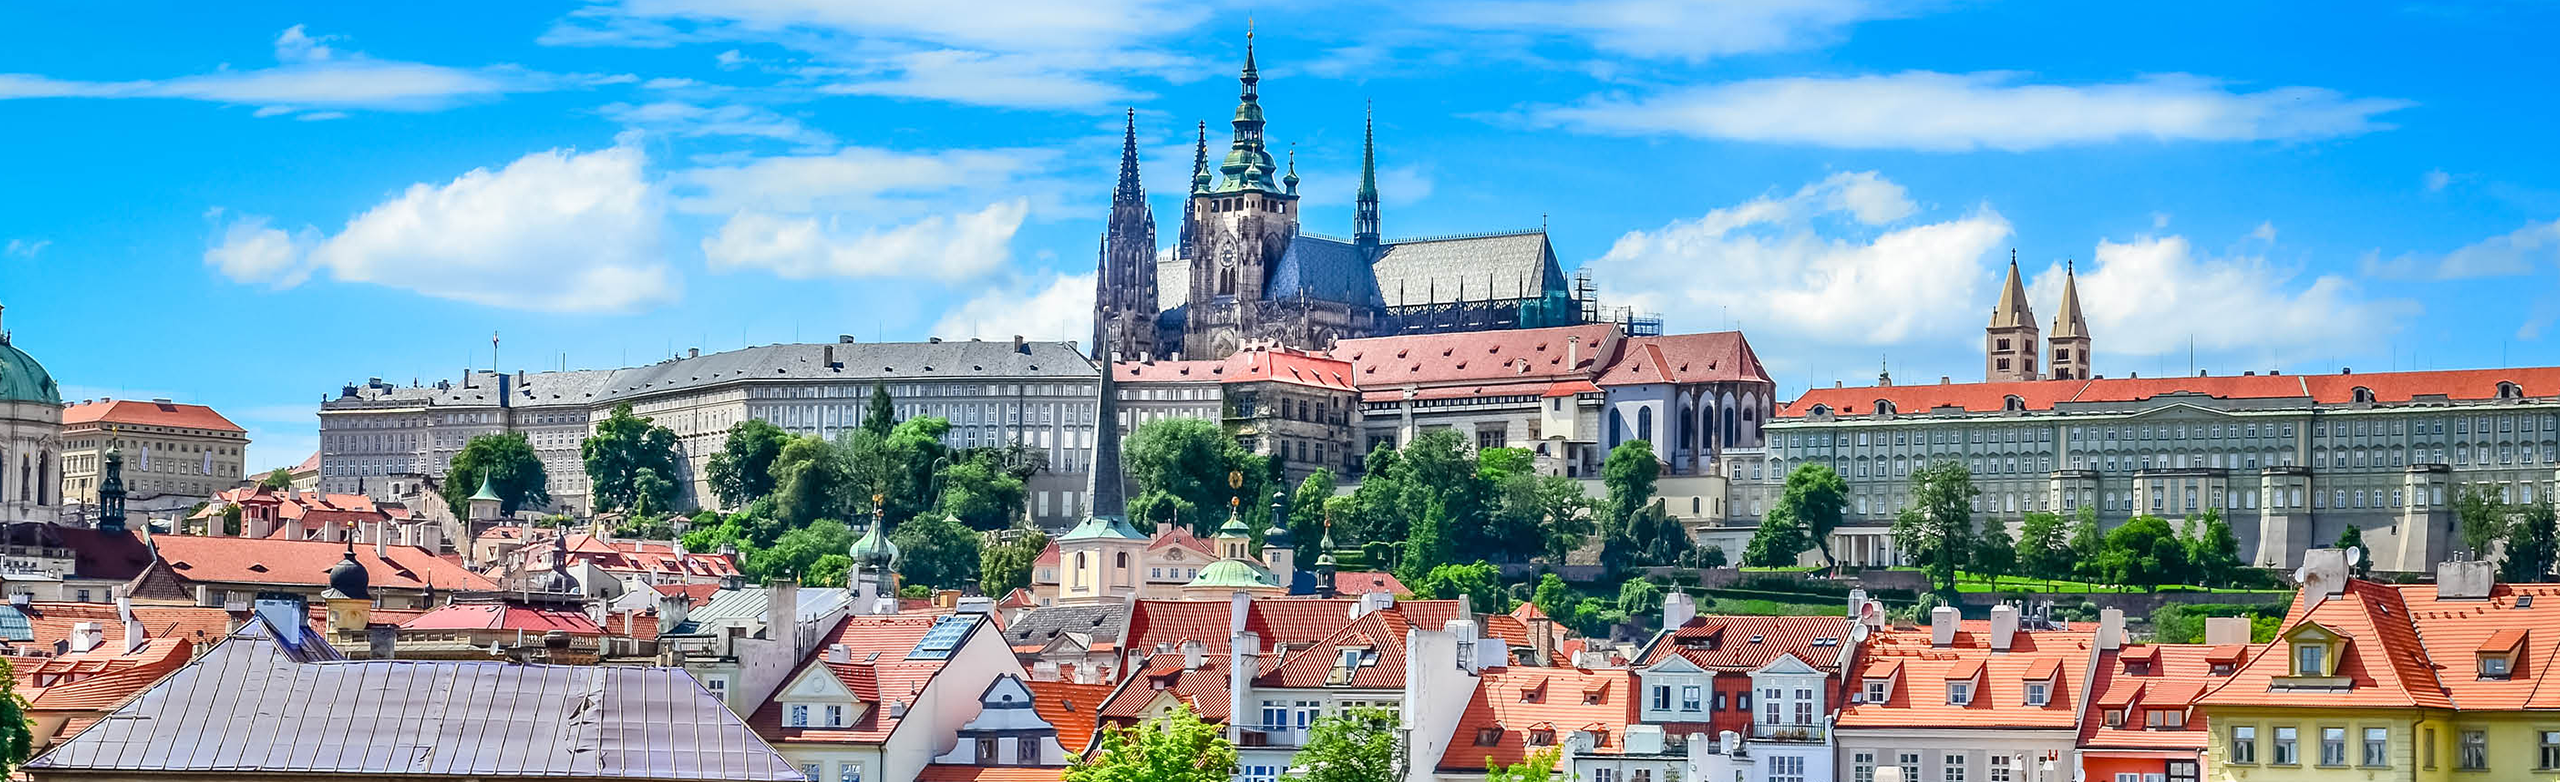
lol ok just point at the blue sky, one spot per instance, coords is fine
(246, 207)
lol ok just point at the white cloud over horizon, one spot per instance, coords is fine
(1691, 30)
(1951, 112)
(2154, 295)
(311, 74)
(558, 231)
(946, 247)
(1059, 306)
(2516, 252)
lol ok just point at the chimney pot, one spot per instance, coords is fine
(1942, 625)
(2004, 626)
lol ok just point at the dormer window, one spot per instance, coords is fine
(1542, 737)
(1486, 737)
(1879, 690)
(2494, 667)
(799, 716)
(2497, 655)
(1959, 693)
(2115, 718)
(2014, 404)
(2509, 390)
(2039, 693)
(2310, 659)
(2363, 395)
(2165, 719)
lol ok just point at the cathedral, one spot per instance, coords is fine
(2009, 343)
(1242, 272)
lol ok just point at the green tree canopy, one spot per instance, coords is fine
(2044, 546)
(796, 552)
(2213, 550)
(2533, 544)
(1638, 597)
(981, 491)
(2145, 552)
(515, 473)
(1539, 766)
(1778, 541)
(623, 448)
(936, 551)
(882, 416)
(1428, 546)
(1937, 529)
(2352, 539)
(1306, 515)
(2483, 518)
(1358, 745)
(1629, 476)
(17, 739)
(1006, 566)
(2087, 543)
(814, 480)
(1816, 498)
(743, 469)
(1994, 555)
(1181, 466)
(1176, 747)
(280, 479)
(1481, 582)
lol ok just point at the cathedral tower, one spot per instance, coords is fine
(1364, 217)
(1245, 223)
(1124, 305)
(2070, 337)
(2009, 343)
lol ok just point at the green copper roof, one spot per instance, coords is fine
(1233, 573)
(874, 547)
(486, 491)
(1103, 527)
(1234, 528)
(24, 380)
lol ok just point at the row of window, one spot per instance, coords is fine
(2338, 746)
(1952, 767)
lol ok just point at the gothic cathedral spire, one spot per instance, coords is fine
(1248, 165)
(1124, 305)
(1364, 218)
(2009, 343)
(2070, 338)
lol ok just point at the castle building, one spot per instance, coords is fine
(2009, 343)
(30, 437)
(1243, 272)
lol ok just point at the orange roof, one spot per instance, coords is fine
(2333, 389)
(1719, 356)
(2382, 657)
(2504, 640)
(52, 621)
(1360, 582)
(307, 562)
(2145, 677)
(1477, 356)
(1282, 365)
(1074, 709)
(150, 413)
(1998, 698)
(878, 672)
(1510, 704)
(100, 679)
(1747, 643)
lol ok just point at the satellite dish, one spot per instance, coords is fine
(2355, 554)
(2302, 574)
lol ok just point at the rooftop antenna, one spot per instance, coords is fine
(493, 351)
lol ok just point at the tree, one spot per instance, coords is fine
(2352, 539)
(1358, 745)
(623, 448)
(1539, 766)
(1175, 747)
(1559, 508)
(813, 480)
(1711, 557)
(2533, 544)
(2086, 544)
(2044, 546)
(2213, 550)
(936, 551)
(1993, 555)
(1938, 527)
(1306, 514)
(2145, 552)
(882, 417)
(1648, 537)
(981, 492)
(17, 740)
(1778, 542)
(1638, 597)
(1816, 498)
(1006, 565)
(2483, 519)
(1181, 465)
(829, 570)
(743, 469)
(796, 553)
(1428, 546)
(1629, 476)
(1480, 582)
(231, 520)
(515, 473)
(281, 479)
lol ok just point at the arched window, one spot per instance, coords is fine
(1644, 423)
(1821, 410)
(1617, 427)
(2364, 395)
(2014, 403)
(1884, 407)
(1121, 560)
(1688, 427)
(2509, 390)
(1079, 560)
(1732, 425)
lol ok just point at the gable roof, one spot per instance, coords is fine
(1716, 356)
(2460, 385)
(1074, 709)
(146, 413)
(306, 563)
(1998, 699)
(2176, 676)
(1506, 266)
(1742, 644)
(1560, 705)
(503, 616)
(2381, 656)
(879, 671)
(1504, 356)
(1323, 269)
(250, 706)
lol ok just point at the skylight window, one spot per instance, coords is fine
(945, 636)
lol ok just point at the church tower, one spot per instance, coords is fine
(2070, 337)
(2009, 343)
(1124, 306)
(1246, 221)
(1364, 217)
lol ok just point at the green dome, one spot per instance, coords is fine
(24, 380)
(1235, 528)
(874, 548)
(1233, 574)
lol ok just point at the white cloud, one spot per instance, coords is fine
(310, 74)
(2508, 254)
(2265, 232)
(679, 118)
(556, 231)
(1769, 261)
(2151, 295)
(1681, 29)
(25, 248)
(2437, 180)
(855, 179)
(1060, 308)
(1958, 112)
(1022, 80)
(946, 247)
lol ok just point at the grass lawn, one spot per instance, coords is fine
(1788, 569)
(1731, 607)
(1968, 582)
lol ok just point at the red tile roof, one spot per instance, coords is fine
(1359, 582)
(152, 413)
(1998, 699)
(949, 772)
(1380, 634)
(878, 673)
(694, 594)
(2382, 657)
(1204, 689)
(1512, 703)
(1718, 356)
(1477, 356)
(52, 622)
(100, 679)
(1282, 365)
(2336, 389)
(1074, 709)
(1742, 644)
(306, 563)
(501, 616)
(2172, 679)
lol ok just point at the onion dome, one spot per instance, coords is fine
(874, 549)
(348, 579)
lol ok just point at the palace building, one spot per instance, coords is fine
(1243, 272)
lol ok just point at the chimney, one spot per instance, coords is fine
(1857, 601)
(2224, 630)
(1835, 383)
(1372, 602)
(692, 352)
(839, 654)
(827, 356)
(1572, 353)
(1464, 630)
(132, 627)
(844, 339)
(1244, 661)
(1542, 641)
(2004, 626)
(84, 636)
(1677, 609)
(671, 612)
(2204, 373)
(1942, 626)
(382, 641)
(782, 613)
(2323, 575)
(2110, 629)
(1945, 380)
(382, 539)
(2465, 579)
(1239, 610)
(1018, 347)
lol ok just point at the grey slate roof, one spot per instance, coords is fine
(1173, 282)
(1103, 621)
(249, 707)
(1485, 267)
(1323, 269)
(861, 362)
(745, 606)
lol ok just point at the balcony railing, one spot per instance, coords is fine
(1806, 733)
(1270, 736)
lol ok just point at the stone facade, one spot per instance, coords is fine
(1279, 402)
(174, 455)
(30, 437)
